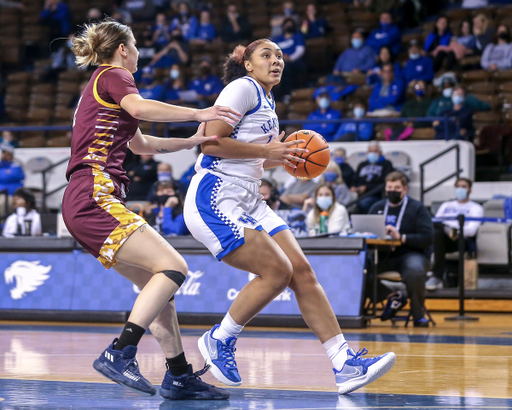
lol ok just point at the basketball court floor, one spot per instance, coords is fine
(452, 366)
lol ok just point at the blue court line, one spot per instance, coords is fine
(51, 395)
(355, 337)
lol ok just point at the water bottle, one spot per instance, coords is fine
(324, 218)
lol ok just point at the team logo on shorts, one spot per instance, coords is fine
(246, 219)
(27, 275)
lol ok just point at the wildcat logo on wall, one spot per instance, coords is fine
(27, 276)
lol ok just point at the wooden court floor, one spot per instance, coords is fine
(452, 366)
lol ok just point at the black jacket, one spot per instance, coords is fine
(372, 175)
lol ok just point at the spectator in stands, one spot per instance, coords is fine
(336, 87)
(446, 234)
(142, 173)
(385, 56)
(175, 85)
(458, 48)
(418, 67)
(324, 202)
(207, 85)
(167, 212)
(482, 32)
(150, 88)
(357, 59)
(297, 192)
(356, 130)
(140, 10)
(270, 193)
(235, 27)
(389, 92)
(498, 55)
(440, 36)
(332, 176)
(324, 112)
(25, 221)
(277, 21)
(205, 31)
(314, 26)
(11, 173)
(161, 33)
(370, 175)
(8, 138)
(185, 21)
(177, 51)
(164, 173)
(147, 48)
(460, 126)
(387, 35)
(121, 14)
(292, 45)
(410, 222)
(339, 156)
(56, 16)
(94, 15)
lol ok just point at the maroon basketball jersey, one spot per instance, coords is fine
(101, 128)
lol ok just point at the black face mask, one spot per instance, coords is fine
(206, 70)
(394, 197)
(289, 30)
(162, 199)
(504, 36)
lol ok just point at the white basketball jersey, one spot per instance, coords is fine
(259, 125)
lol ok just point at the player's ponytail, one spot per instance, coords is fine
(97, 43)
(234, 66)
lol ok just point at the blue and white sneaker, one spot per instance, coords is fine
(121, 367)
(358, 371)
(189, 386)
(221, 357)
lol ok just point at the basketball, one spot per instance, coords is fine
(317, 158)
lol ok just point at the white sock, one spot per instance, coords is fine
(337, 351)
(228, 328)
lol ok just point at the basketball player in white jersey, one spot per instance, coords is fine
(224, 211)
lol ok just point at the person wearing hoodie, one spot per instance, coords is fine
(387, 35)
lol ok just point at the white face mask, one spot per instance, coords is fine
(323, 103)
(358, 112)
(414, 56)
(174, 74)
(447, 92)
(324, 202)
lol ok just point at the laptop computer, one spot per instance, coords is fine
(375, 224)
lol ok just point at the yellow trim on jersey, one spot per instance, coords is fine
(95, 86)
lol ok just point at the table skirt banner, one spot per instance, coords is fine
(77, 281)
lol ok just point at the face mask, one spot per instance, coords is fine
(164, 176)
(394, 197)
(447, 92)
(419, 93)
(461, 193)
(324, 202)
(206, 70)
(339, 160)
(146, 80)
(457, 99)
(372, 157)
(323, 103)
(330, 176)
(358, 112)
(289, 30)
(288, 12)
(384, 25)
(183, 13)
(503, 36)
(414, 56)
(174, 74)
(162, 199)
(357, 42)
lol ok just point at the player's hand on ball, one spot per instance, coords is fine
(284, 151)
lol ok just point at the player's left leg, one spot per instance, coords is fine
(351, 370)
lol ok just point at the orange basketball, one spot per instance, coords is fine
(317, 158)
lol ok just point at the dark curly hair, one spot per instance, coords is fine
(234, 66)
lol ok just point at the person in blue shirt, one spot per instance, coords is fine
(161, 35)
(292, 44)
(149, 88)
(8, 138)
(11, 174)
(185, 21)
(313, 26)
(440, 36)
(418, 67)
(356, 130)
(356, 59)
(207, 85)
(205, 30)
(175, 84)
(385, 56)
(336, 87)
(325, 111)
(168, 212)
(389, 92)
(387, 35)
(177, 51)
(55, 15)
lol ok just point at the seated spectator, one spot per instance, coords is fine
(207, 85)
(11, 173)
(161, 33)
(418, 67)
(440, 36)
(235, 27)
(356, 130)
(139, 10)
(498, 56)
(25, 221)
(205, 31)
(176, 52)
(185, 21)
(446, 234)
(175, 85)
(270, 193)
(147, 49)
(482, 32)
(292, 45)
(332, 177)
(389, 92)
(94, 15)
(336, 87)
(358, 59)
(297, 192)
(149, 88)
(410, 222)
(371, 175)
(387, 35)
(466, 37)
(164, 173)
(8, 138)
(313, 26)
(324, 112)
(460, 126)
(324, 204)
(55, 15)
(385, 57)
(459, 47)
(168, 212)
(347, 173)
(276, 21)
(142, 173)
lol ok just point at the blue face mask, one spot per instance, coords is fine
(414, 56)
(330, 176)
(384, 25)
(357, 42)
(419, 93)
(447, 92)
(164, 176)
(372, 157)
(358, 112)
(339, 160)
(324, 202)
(457, 99)
(147, 80)
(461, 193)
(324, 103)
(174, 74)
